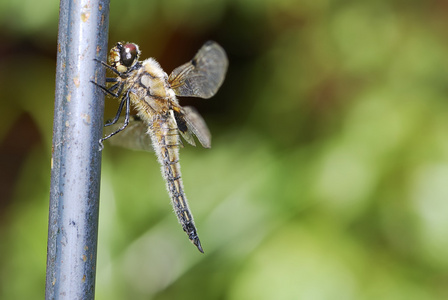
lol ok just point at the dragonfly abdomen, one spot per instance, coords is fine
(166, 144)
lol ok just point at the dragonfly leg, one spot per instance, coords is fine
(109, 67)
(126, 100)
(113, 88)
(109, 91)
(120, 108)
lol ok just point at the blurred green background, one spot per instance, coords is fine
(328, 174)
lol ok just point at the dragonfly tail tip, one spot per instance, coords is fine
(198, 245)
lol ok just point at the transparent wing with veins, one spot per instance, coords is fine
(203, 75)
(135, 136)
(197, 126)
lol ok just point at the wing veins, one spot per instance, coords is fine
(203, 75)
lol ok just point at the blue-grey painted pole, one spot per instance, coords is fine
(76, 160)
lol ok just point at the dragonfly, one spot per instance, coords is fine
(153, 94)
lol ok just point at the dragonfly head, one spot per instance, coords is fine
(124, 56)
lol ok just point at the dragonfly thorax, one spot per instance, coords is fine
(155, 80)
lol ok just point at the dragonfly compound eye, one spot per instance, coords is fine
(129, 53)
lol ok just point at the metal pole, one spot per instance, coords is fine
(76, 159)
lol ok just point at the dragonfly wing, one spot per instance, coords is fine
(196, 124)
(182, 127)
(188, 137)
(203, 75)
(134, 137)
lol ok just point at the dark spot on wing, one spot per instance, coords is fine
(181, 124)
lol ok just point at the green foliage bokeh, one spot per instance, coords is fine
(328, 173)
